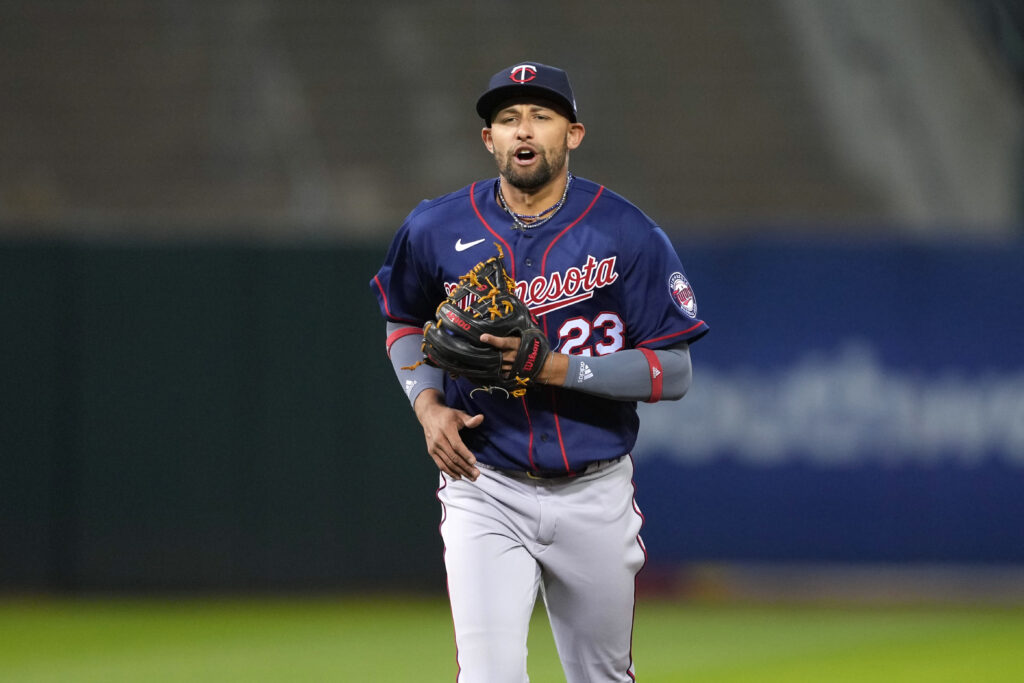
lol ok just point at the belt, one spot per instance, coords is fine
(590, 468)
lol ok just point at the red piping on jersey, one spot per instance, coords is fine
(543, 272)
(511, 262)
(383, 296)
(387, 307)
(674, 334)
(529, 425)
(398, 334)
(655, 372)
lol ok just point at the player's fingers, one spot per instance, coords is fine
(450, 451)
(455, 465)
(443, 466)
(463, 461)
(460, 457)
(441, 430)
(509, 347)
(439, 450)
(503, 343)
(447, 460)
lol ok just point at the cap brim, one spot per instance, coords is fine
(491, 99)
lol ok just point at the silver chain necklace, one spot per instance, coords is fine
(519, 219)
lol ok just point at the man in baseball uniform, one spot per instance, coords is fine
(536, 491)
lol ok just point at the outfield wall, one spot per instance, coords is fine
(851, 404)
(202, 417)
(205, 417)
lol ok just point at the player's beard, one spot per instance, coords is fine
(532, 177)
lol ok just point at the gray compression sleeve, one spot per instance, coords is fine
(631, 375)
(404, 351)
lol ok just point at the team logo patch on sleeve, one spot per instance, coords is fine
(682, 293)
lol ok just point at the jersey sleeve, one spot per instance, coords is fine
(660, 302)
(403, 293)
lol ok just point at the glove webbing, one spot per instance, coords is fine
(492, 294)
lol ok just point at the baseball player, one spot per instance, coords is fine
(536, 490)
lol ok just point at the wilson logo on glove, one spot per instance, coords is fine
(532, 357)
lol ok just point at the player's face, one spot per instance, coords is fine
(530, 143)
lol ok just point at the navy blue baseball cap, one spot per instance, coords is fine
(527, 79)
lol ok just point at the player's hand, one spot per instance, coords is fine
(509, 347)
(441, 426)
(556, 366)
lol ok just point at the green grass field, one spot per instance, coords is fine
(410, 640)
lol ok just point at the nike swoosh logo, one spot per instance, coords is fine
(459, 246)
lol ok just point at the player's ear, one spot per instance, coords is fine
(574, 136)
(485, 135)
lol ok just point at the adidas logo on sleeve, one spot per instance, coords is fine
(584, 374)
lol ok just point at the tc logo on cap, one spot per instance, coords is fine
(523, 73)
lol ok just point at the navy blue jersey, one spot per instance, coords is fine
(600, 277)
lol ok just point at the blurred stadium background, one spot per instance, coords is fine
(194, 195)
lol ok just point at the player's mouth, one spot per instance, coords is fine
(524, 155)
